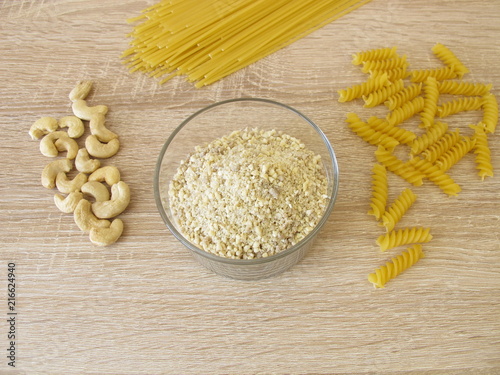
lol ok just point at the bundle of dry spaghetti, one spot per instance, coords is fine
(206, 40)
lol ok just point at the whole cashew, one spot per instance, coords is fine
(109, 174)
(67, 144)
(98, 128)
(74, 124)
(85, 219)
(101, 150)
(66, 186)
(51, 170)
(47, 146)
(120, 199)
(43, 126)
(96, 190)
(83, 111)
(107, 236)
(68, 204)
(84, 163)
(80, 91)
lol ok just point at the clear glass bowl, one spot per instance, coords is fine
(218, 120)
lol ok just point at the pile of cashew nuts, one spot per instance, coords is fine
(96, 194)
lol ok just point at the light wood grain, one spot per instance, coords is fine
(143, 306)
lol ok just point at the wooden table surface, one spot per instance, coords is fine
(144, 306)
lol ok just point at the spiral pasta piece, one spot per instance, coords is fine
(444, 54)
(406, 111)
(402, 237)
(483, 153)
(397, 73)
(368, 134)
(436, 175)
(384, 65)
(379, 191)
(440, 74)
(403, 96)
(456, 153)
(374, 54)
(398, 208)
(469, 103)
(373, 83)
(431, 96)
(396, 266)
(377, 97)
(398, 167)
(463, 88)
(490, 113)
(401, 135)
(432, 135)
(436, 150)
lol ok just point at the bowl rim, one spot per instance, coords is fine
(311, 235)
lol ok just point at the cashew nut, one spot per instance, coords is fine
(107, 236)
(85, 219)
(109, 174)
(80, 91)
(67, 144)
(120, 199)
(84, 163)
(65, 185)
(101, 150)
(74, 124)
(68, 204)
(96, 190)
(47, 146)
(83, 111)
(43, 126)
(98, 128)
(51, 170)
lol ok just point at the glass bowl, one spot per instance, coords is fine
(221, 119)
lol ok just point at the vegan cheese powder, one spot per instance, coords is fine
(250, 194)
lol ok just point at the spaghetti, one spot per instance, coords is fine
(206, 40)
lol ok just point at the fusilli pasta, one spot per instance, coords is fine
(398, 167)
(402, 237)
(431, 95)
(384, 65)
(468, 103)
(403, 96)
(398, 208)
(444, 54)
(483, 153)
(436, 175)
(401, 135)
(455, 154)
(490, 113)
(463, 88)
(406, 111)
(379, 191)
(446, 72)
(374, 55)
(368, 134)
(431, 136)
(373, 83)
(447, 141)
(379, 96)
(397, 265)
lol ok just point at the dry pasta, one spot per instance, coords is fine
(405, 236)
(463, 88)
(398, 167)
(490, 113)
(483, 153)
(440, 74)
(401, 135)
(444, 54)
(468, 103)
(357, 91)
(431, 136)
(406, 111)
(379, 191)
(368, 134)
(207, 40)
(402, 262)
(384, 65)
(436, 175)
(403, 96)
(398, 209)
(431, 95)
(379, 96)
(436, 150)
(455, 154)
(374, 55)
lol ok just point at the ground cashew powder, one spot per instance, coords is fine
(250, 194)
